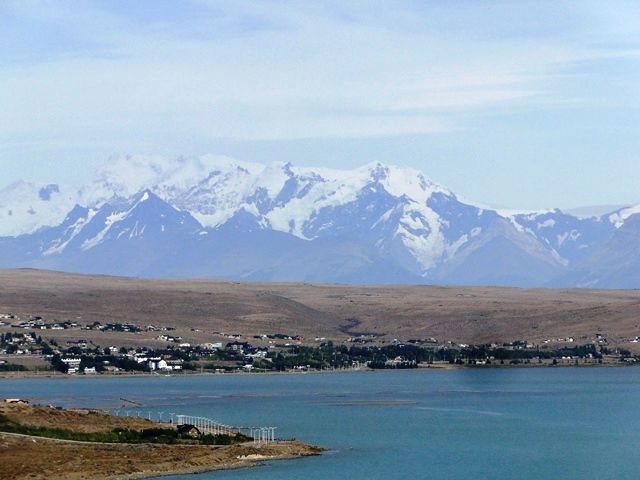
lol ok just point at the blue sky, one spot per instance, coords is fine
(528, 104)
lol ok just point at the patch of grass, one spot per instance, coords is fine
(12, 367)
(119, 435)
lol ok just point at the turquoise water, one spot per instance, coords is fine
(481, 424)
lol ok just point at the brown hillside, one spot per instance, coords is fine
(462, 314)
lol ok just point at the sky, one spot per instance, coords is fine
(525, 104)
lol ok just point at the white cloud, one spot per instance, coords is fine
(270, 70)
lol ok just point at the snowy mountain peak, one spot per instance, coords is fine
(378, 216)
(619, 217)
(144, 213)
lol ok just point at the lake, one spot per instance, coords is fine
(453, 424)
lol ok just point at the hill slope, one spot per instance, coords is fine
(462, 314)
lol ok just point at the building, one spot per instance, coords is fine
(189, 431)
(72, 362)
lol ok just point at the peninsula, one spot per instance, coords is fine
(45, 442)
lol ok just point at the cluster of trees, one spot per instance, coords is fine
(480, 352)
(328, 355)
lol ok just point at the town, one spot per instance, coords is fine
(24, 349)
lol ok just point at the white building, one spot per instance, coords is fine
(72, 362)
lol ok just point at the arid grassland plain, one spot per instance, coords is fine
(201, 310)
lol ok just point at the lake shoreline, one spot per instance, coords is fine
(447, 366)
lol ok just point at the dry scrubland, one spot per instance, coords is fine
(27, 457)
(43, 459)
(461, 314)
(77, 420)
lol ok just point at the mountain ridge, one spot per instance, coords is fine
(218, 217)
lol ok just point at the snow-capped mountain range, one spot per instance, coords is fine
(213, 216)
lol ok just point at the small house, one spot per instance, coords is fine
(189, 431)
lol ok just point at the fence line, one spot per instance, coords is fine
(260, 435)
